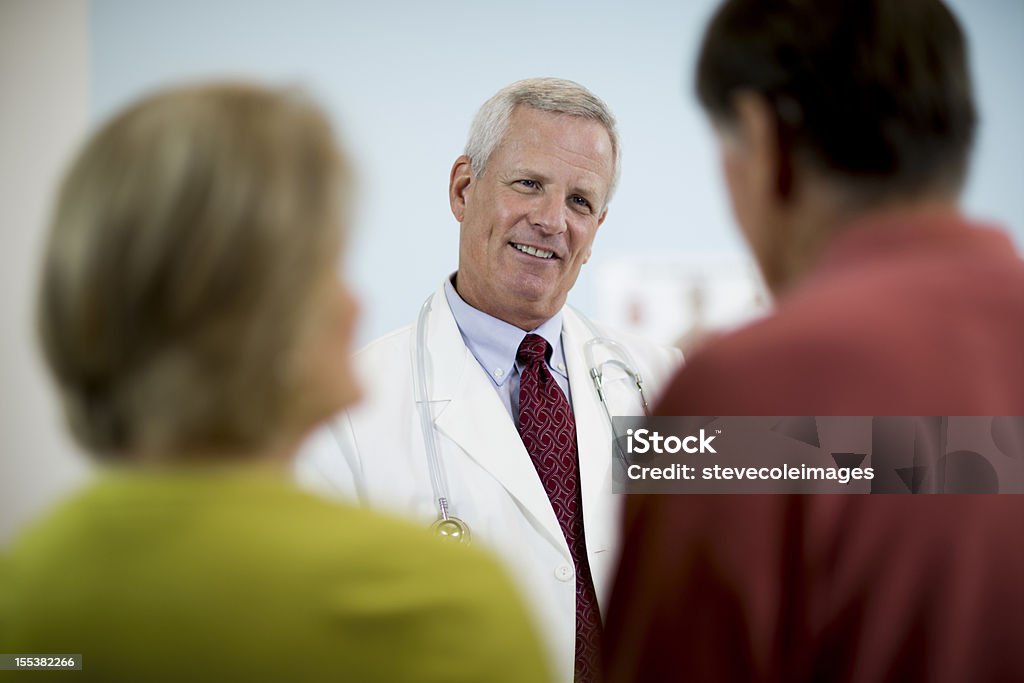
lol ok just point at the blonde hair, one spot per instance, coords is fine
(555, 95)
(186, 242)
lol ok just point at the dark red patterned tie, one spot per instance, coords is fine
(549, 433)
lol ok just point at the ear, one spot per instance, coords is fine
(600, 220)
(459, 183)
(768, 172)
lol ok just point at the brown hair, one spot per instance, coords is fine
(872, 93)
(186, 241)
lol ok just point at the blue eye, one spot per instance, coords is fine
(531, 184)
(580, 201)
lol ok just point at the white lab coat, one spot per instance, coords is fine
(375, 454)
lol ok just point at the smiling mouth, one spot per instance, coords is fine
(533, 251)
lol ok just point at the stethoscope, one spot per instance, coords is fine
(449, 526)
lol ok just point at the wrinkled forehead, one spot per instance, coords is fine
(572, 145)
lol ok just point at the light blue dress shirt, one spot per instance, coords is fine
(494, 343)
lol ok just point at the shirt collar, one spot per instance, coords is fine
(898, 232)
(494, 343)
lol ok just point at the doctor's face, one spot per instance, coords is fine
(528, 222)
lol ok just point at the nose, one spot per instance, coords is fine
(548, 214)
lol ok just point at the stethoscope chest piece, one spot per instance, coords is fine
(452, 529)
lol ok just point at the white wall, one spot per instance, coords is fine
(404, 79)
(995, 31)
(44, 88)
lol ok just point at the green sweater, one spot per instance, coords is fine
(234, 575)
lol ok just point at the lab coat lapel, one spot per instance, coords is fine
(593, 436)
(474, 418)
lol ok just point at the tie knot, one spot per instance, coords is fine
(533, 348)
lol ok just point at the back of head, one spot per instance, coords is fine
(871, 94)
(180, 262)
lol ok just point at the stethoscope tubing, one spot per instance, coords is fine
(450, 526)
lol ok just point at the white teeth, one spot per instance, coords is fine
(533, 251)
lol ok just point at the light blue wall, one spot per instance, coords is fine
(995, 29)
(403, 80)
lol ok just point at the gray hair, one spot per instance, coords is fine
(555, 95)
(178, 273)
